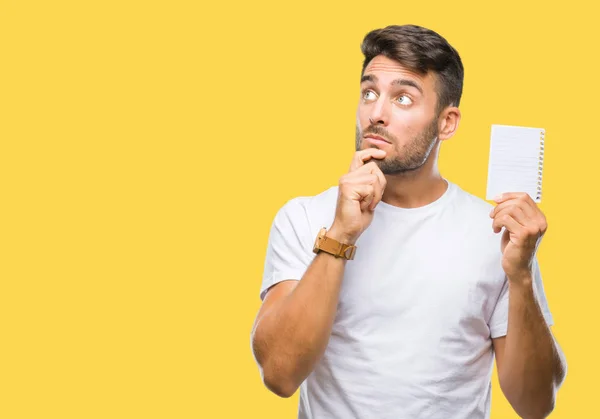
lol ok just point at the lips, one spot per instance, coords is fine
(377, 138)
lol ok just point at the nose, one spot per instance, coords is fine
(379, 113)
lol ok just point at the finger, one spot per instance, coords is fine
(497, 208)
(355, 178)
(355, 188)
(360, 157)
(377, 193)
(382, 185)
(507, 222)
(374, 170)
(526, 204)
(517, 203)
(517, 214)
(366, 203)
(508, 195)
(360, 175)
(526, 209)
(358, 178)
(364, 194)
(529, 207)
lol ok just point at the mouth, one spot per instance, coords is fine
(376, 139)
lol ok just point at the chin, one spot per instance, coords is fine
(367, 144)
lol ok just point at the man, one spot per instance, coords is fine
(406, 323)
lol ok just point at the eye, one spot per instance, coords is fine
(369, 95)
(405, 100)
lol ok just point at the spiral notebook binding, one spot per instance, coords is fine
(540, 166)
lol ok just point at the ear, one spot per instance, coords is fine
(448, 122)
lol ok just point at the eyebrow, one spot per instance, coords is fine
(403, 82)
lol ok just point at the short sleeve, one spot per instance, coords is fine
(499, 320)
(289, 250)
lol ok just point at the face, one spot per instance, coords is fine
(397, 113)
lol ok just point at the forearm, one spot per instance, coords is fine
(533, 367)
(291, 337)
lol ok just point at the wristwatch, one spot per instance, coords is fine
(333, 247)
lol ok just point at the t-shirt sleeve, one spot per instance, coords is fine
(289, 251)
(499, 320)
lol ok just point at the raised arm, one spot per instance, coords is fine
(294, 323)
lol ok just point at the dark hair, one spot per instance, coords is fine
(420, 50)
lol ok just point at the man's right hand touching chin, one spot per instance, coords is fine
(360, 190)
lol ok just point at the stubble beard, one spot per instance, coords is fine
(408, 158)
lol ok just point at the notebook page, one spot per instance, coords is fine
(516, 161)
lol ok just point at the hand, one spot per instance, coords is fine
(360, 190)
(525, 226)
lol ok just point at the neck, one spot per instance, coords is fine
(416, 188)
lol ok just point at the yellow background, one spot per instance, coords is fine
(145, 148)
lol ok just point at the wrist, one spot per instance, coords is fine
(523, 281)
(340, 235)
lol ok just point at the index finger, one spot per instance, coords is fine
(360, 157)
(508, 195)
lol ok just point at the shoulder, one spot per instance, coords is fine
(312, 204)
(473, 225)
(312, 209)
(471, 206)
(472, 214)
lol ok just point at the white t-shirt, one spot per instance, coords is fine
(418, 307)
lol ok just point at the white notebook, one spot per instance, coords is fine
(516, 161)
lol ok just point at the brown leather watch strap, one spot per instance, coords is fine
(334, 247)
